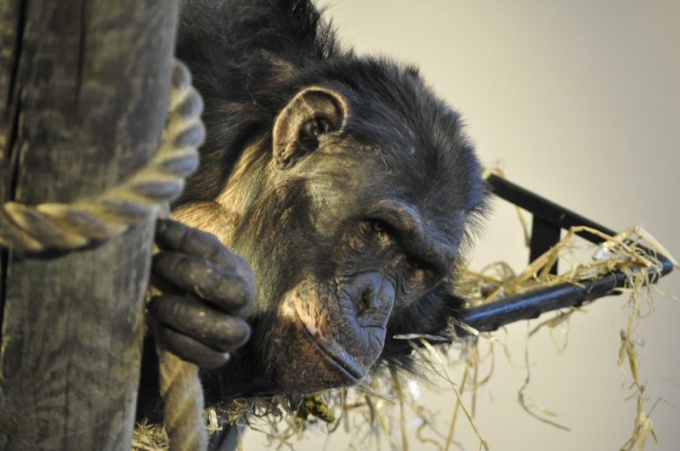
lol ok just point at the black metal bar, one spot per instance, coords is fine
(492, 316)
(543, 208)
(544, 235)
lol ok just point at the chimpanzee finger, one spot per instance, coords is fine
(189, 349)
(219, 286)
(175, 236)
(196, 319)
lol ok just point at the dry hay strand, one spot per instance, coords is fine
(633, 251)
(152, 437)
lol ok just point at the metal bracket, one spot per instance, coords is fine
(548, 220)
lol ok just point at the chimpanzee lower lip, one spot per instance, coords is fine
(349, 369)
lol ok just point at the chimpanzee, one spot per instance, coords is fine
(344, 182)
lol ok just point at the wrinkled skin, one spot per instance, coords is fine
(346, 185)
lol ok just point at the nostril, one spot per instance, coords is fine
(364, 303)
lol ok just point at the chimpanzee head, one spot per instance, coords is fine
(351, 193)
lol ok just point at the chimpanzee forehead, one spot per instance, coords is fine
(427, 164)
(418, 134)
(438, 192)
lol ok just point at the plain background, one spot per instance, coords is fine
(578, 101)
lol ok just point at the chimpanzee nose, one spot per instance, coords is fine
(372, 296)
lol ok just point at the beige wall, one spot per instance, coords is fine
(578, 101)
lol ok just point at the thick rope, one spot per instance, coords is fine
(74, 225)
(183, 395)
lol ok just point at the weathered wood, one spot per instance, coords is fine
(83, 95)
(9, 12)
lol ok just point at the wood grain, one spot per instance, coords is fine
(83, 95)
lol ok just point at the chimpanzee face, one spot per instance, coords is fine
(350, 233)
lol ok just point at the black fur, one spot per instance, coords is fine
(249, 59)
(236, 51)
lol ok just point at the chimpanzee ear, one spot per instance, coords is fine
(312, 112)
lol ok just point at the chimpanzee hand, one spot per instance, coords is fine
(205, 290)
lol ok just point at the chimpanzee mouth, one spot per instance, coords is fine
(326, 345)
(350, 368)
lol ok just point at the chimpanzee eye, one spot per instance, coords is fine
(416, 265)
(379, 228)
(376, 227)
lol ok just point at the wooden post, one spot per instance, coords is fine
(83, 95)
